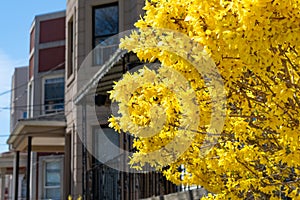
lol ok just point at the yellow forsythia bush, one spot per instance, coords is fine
(255, 46)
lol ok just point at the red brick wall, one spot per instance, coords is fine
(52, 30)
(50, 58)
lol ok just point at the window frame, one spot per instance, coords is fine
(43, 160)
(95, 138)
(71, 48)
(94, 8)
(44, 93)
(98, 166)
(30, 99)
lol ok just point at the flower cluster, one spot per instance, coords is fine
(255, 45)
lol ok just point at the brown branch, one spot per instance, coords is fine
(297, 100)
(277, 18)
(292, 64)
(229, 57)
(266, 85)
(246, 167)
(285, 183)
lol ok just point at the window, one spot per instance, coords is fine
(54, 94)
(104, 141)
(105, 180)
(24, 115)
(105, 25)
(23, 187)
(51, 177)
(30, 100)
(52, 180)
(70, 48)
(105, 22)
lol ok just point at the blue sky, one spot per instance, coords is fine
(15, 20)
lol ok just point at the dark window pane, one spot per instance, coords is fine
(106, 21)
(53, 165)
(54, 89)
(52, 174)
(53, 193)
(24, 115)
(54, 94)
(23, 187)
(53, 178)
(106, 24)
